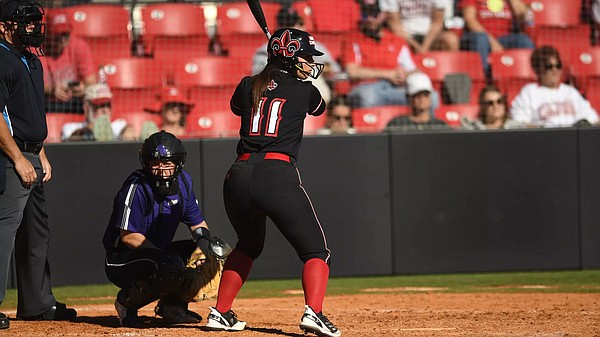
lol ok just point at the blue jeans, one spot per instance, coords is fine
(479, 42)
(385, 93)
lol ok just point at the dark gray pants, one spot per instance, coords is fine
(24, 226)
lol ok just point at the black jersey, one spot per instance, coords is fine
(278, 125)
(22, 94)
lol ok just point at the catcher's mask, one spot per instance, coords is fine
(287, 44)
(156, 155)
(25, 19)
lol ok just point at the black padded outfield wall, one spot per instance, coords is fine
(418, 203)
(494, 201)
(589, 183)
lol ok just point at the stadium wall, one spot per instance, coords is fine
(389, 203)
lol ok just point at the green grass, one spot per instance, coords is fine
(586, 281)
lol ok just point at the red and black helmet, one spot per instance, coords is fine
(286, 44)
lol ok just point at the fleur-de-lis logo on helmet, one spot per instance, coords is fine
(285, 45)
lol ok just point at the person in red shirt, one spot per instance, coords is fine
(378, 63)
(489, 26)
(68, 66)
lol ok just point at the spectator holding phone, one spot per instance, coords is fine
(68, 66)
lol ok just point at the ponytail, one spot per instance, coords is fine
(261, 82)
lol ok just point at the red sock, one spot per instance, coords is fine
(314, 282)
(235, 272)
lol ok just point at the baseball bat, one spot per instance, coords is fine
(259, 15)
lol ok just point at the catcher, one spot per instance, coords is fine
(140, 257)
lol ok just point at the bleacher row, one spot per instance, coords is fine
(174, 44)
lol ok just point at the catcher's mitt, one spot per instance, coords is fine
(202, 277)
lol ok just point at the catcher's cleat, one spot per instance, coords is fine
(176, 313)
(226, 321)
(318, 324)
(128, 317)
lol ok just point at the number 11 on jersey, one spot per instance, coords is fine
(273, 118)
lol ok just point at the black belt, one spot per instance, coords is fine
(265, 155)
(32, 147)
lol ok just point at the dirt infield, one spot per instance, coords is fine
(378, 315)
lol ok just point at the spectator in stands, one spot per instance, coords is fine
(420, 23)
(173, 107)
(289, 17)
(489, 27)
(419, 91)
(493, 111)
(378, 62)
(339, 117)
(98, 125)
(68, 66)
(549, 102)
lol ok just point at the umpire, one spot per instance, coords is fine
(24, 167)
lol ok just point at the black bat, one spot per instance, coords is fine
(259, 15)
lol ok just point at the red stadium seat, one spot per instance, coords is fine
(217, 123)
(341, 16)
(174, 30)
(585, 69)
(210, 71)
(511, 70)
(55, 122)
(438, 64)
(237, 19)
(367, 120)
(106, 28)
(559, 13)
(305, 12)
(133, 82)
(452, 113)
(313, 123)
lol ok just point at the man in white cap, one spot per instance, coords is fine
(98, 125)
(418, 93)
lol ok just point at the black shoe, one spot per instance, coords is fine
(58, 312)
(4, 322)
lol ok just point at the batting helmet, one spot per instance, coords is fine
(162, 146)
(286, 44)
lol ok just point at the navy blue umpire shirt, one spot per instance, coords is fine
(22, 94)
(136, 210)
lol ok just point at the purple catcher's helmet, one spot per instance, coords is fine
(162, 146)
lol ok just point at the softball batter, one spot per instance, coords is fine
(264, 180)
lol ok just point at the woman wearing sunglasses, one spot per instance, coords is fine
(549, 102)
(493, 110)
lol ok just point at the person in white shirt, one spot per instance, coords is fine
(549, 102)
(97, 103)
(420, 23)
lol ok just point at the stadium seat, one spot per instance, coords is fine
(305, 12)
(55, 122)
(133, 82)
(558, 13)
(585, 70)
(217, 123)
(106, 28)
(511, 70)
(452, 113)
(174, 30)
(210, 71)
(341, 16)
(368, 120)
(333, 23)
(438, 64)
(313, 123)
